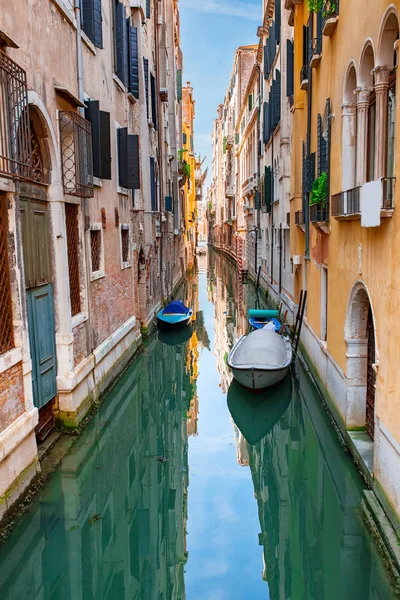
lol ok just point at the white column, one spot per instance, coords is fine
(381, 89)
(362, 133)
(349, 143)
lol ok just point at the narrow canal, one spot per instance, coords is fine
(185, 486)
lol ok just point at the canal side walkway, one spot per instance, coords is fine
(380, 517)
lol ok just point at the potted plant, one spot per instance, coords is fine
(319, 191)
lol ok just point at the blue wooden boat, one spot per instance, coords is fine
(174, 315)
(259, 318)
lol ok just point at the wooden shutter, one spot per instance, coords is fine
(272, 37)
(273, 106)
(121, 43)
(319, 25)
(92, 114)
(105, 145)
(153, 184)
(278, 97)
(257, 200)
(250, 102)
(133, 176)
(305, 45)
(133, 62)
(278, 20)
(153, 88)
(179, 84)
(184, 136)
(311, 171)
(168, 203)
(289, 68)
(92, 21)
(266, 121)
(146, 84)
(35, 235)
(266, 65)
(148, 9)
(122, 139)
(268, 188)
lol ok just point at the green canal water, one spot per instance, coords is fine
(186, 486)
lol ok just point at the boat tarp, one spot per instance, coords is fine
(262, 347)
(175, 308)
(259, 314)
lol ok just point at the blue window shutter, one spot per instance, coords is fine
(266, 65)
(153, 184)
(92, 114)
(92, 21)
(146, 83)
(105, 145)
(278, 96)
(153, 89)
(268, 188)
(168, 203)
(133, 62)
(122, 139)
(148, 9)
(179, 84)
(289, 68)
(257, 200)
(278, 20)
(133, 174)
(121, 43)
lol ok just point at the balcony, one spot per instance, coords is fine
(346, 206)
(15, 139)
(315, 52)
(319, 213)
(330, 16)
(304, 77)
(299, 220)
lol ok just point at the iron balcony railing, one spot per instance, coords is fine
(304, 77)
(298, 218)
(346, 203)
(330, 9)
(315, 48)
(319, 213)
(15, 138)
(388, 193)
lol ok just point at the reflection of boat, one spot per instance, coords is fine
(174, 315)
(255, 416)
(175, 337)
(260, 359)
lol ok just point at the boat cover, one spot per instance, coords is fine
(261, 347)
(175, 308)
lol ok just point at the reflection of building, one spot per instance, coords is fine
(188, 168)
(308, 498)
(116, 509)
(242, 450)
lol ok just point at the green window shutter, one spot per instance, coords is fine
(250, 102)
(179, 84)
(224, 145)
(133, 62)
(146, 83)
(268, 188)
(289, 68)
(237, 138)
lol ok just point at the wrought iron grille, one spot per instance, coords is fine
(125, 244)
(298, 217)
(371, 377)
(15, 142)
(353, 201)
(71, 220)
(315, 47)
(319, 213)
(76, 154)
(388, 192)
(6, 323)
(338, 204)
(95, 247)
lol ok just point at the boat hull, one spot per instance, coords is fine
(173, 321)
(257, 379)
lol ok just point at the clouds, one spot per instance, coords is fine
(235, 8)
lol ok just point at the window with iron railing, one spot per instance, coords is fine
(95, 249)
(6, 321)
(76, 154)
(15, 143)
(71, 222)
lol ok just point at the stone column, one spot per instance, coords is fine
(349, 143)
(381, 89)
(362, 133)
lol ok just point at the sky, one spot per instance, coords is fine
(211, 30)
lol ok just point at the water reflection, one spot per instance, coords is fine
(112, 521)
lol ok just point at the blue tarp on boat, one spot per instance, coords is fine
(175, 308)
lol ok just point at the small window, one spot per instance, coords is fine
(71, 221)
(6, 321)
(125, 245)
(95, 249)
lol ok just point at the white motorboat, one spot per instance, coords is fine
(260, 359)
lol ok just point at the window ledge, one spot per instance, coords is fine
(88, 43)
(97, 182)
(132, 98)
(78, 319)
(97, 275)
(123, 191)
(66, 11)
(10, 359)
(119, 82)
(126, 265)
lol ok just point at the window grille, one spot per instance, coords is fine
(125, 243)
(95, 247)
(76, 154)
(71, 219)
(6, 323)
(15, 142)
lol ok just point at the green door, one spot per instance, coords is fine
(42, 343)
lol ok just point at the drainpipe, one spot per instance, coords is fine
(309, 109)
(272, 211)
(85, 201)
